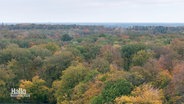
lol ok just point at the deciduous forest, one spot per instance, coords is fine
(81, 64)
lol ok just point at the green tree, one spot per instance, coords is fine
(127, 52)
(6, 81)
(140, 58)
(66, 37)
(41, 52)
(53, 47)
(71, 77)
(148, 73)
(89, 51)
(19, 60)
(112, 90)
(54, 65)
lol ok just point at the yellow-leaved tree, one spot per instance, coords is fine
(39, 92)
(144, 94)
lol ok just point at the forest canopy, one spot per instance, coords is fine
(80, 64)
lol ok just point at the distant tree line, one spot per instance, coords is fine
(99, 29)
(156, 29)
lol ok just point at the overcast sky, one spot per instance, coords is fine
(91, 11)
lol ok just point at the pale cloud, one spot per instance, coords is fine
(91, 11)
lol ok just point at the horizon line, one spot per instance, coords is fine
(91, 22)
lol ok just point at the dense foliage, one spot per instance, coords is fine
(71, 64)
